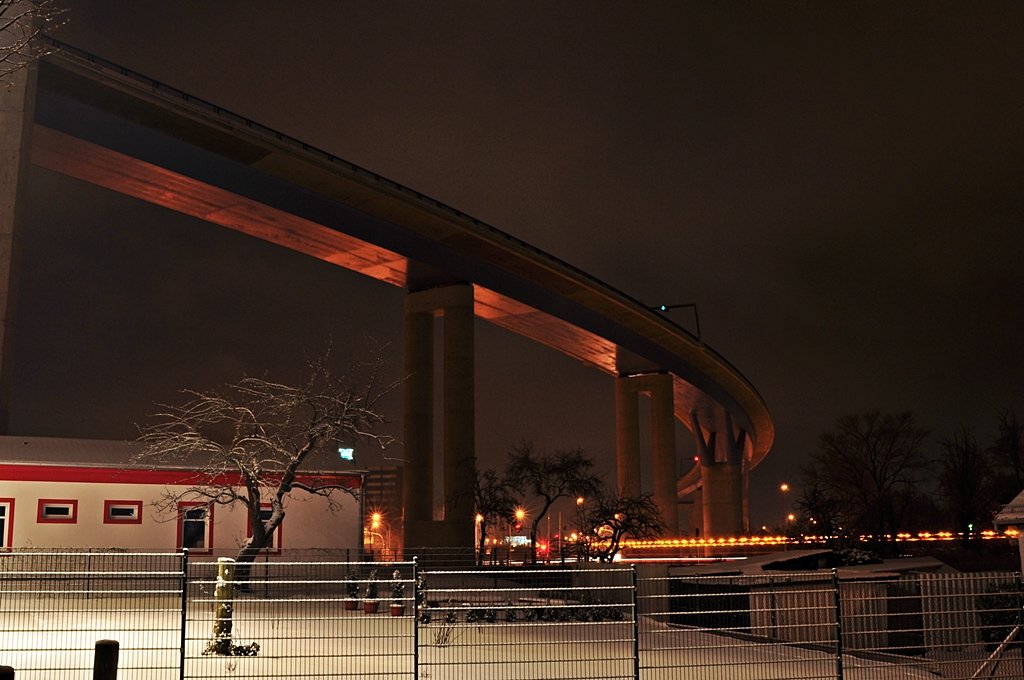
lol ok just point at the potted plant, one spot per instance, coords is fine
(351, 593)
(371, 604)
(397, 594)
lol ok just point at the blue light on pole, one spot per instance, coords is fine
(690, 305)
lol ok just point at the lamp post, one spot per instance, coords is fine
(692, 305)
(376, 524)
(477, 522)
(580, 500)
(520, 517)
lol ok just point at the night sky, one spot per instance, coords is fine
(837, 186)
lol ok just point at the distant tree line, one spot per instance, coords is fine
(873, 474)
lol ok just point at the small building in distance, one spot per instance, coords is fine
(1012, 517)
(84, 494)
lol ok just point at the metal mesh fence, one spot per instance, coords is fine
(707, 627)
(950, 625)
(305, 620)
(57, 605)
(527, 624)
(787, 625)
(310, 619)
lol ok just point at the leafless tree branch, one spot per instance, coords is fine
(270, 435)
(22, 24)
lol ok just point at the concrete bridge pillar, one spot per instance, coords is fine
(721, 473)
(17, 105)
(453, 528)
(665, 470)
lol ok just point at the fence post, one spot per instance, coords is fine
(184, 612)
(6, 673)
(104, 665)
(1020, 605)
(223, 596)
(415, 617)
(636, 623)
(837, 597)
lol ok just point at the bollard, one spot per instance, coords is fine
(6, 673)
(105, 662)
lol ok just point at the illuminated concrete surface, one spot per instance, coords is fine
(103, 125)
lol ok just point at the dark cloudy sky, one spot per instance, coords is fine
(838, 187)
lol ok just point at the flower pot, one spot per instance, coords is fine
(370, 606)
(398, 610)
(351, 605)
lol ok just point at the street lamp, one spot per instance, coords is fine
(376, 522)
(578, 537)
(692, 305)
(477, 524)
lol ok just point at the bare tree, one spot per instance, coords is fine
(265, 434)
(869, 467)
(560, 474)
(494, 500)
(824, 508)
(964, 478)
(1008, 456)
(22, 25)
(610, 519)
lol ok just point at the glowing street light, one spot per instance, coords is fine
(783, 487)
(376, 524)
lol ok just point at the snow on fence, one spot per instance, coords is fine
(177, 618)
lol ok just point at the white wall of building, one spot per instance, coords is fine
(309, 521)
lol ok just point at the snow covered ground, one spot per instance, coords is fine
(315, 638)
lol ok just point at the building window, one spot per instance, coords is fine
(195, 527)
(275, 547)
(122, 512)
(6, 522)
(57, 511)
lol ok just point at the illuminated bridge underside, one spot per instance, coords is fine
(104, 129)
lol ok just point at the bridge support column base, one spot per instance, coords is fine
(448, 525)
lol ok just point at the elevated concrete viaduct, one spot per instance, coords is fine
(102, 124)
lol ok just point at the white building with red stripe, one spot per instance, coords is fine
(76, 493)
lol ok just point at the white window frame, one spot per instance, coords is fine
(110, 506)
(45, 516)
(7, 523)
(184, 507)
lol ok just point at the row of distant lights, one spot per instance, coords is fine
(784, 540)
(774, 540)
(691, 542)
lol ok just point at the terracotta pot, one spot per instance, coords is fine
(370, 606)
(398, 610)
(351, 605)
